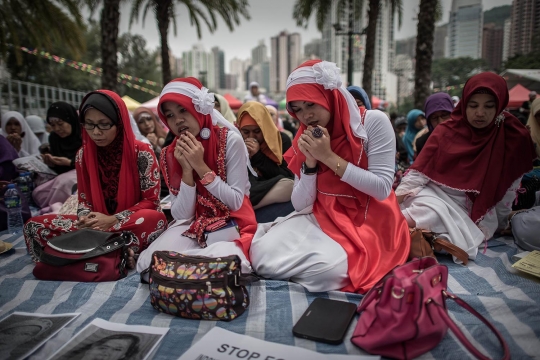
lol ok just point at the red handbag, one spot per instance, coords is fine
(405, 315)
(84, 255)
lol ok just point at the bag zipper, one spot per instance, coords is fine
(189, 283)
(197, 259)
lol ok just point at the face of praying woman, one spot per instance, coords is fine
(420, 122)
(13, 126)
(252, 132)
(180, 119)
(113, 349)
(60, 127)
(146, 124)
(310, 114)
(481, 110)
(99, 127)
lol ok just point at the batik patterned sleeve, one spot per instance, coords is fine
(84, 207)
(149, 180)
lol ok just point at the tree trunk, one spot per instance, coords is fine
(424, 51)
(110, 20)
(163, 18)
(369, 59)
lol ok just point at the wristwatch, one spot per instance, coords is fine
(309, 171)
(208, 178)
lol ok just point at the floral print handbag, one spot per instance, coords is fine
(197, 287)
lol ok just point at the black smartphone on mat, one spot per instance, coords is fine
(325, 320)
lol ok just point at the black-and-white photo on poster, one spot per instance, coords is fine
(105, 340)
(23, 333)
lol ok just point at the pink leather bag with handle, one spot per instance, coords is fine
(405, 315)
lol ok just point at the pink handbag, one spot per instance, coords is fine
(405, 315)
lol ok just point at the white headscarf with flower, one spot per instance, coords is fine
(203, 102)
(327, 74)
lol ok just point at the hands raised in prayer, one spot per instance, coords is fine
(315, 149)
(15, 140)
(253, 146)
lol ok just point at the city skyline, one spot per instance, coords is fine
(262, 26)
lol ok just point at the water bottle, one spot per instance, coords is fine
(24, 186)
(31, 187)
(13, 205)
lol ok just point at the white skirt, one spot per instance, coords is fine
(173, 240)
(295, 248)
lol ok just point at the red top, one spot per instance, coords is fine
(374, 233)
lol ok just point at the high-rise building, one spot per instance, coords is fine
(239, 68)
(219, 68)
(405, 76)
(230, 81)
(525, 24)
(492, 45)
(259, 54)
(312, 50)
(200, 64)
(259, 73)
(407, 47)
(465, 29)
(506, 38)
(286, 55)
(440, 40)
(335, 48)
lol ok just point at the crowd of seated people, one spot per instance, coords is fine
(324, 194)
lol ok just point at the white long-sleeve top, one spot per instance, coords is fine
(376, 181)
(231, 193)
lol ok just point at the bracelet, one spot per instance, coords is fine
(337, 168)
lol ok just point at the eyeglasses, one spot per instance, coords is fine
(442, 117)
(89, 126)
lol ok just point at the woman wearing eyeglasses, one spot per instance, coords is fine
(438, 108)
(118, 180)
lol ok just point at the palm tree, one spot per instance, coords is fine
(109, 21)
(43, 23)
(304, 8)
(165, 12)
(430, 12)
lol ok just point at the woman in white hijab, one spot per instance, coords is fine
(37, 125)
(18, 133)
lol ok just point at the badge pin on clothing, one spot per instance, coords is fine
(205, 133)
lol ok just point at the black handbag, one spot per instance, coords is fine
(83, 255)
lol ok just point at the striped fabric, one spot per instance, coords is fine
(508, 299)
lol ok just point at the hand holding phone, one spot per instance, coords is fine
(325, 320)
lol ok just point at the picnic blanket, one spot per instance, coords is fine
(509, 299)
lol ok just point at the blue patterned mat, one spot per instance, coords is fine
(509, 299)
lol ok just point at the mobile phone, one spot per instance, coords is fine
(325, 320)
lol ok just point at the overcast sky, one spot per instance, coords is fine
(268, 18)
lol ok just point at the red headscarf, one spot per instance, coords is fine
(128, 177)
(343, 142)
(173, 175)
(374, 233)
(209, 210)
(482, 162)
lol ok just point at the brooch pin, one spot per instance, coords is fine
(205, 133)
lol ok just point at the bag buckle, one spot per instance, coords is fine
(398, 296)
(448, 294)
(236, 280)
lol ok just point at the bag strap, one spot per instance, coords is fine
(54, 260)
(452, 249)
(443, 313)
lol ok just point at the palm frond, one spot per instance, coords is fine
(397, 8)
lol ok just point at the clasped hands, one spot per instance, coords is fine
(96, 221)
(189, 152)
(315, 149)
(252, 146)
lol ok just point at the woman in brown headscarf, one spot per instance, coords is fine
(264, 141)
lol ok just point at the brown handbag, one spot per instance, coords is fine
(424, 243)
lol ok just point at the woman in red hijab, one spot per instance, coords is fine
(462, 185)
(117, 179)
(347, 231)
(205, 169)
